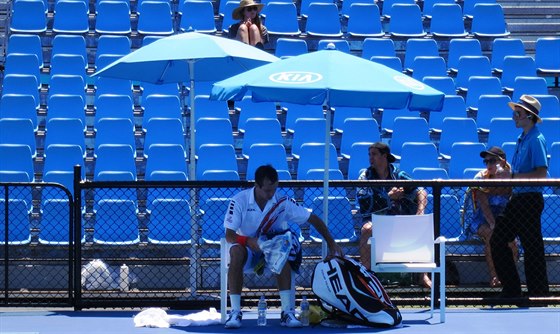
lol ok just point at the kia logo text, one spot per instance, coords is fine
(295, 78)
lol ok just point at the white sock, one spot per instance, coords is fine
(286, 300)
(235, 301)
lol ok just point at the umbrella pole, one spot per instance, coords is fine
(194, 251)
(326, 172)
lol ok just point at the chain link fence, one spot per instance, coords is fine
(158, 243)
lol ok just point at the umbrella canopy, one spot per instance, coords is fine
(333, 79)
(187, 57)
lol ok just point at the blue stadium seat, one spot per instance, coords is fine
(71, 17)
(469, 66)
(60, 160)
(408, 129)
(502, 47)
(550, 107)
(468, 7)
(261, 131)
(113, 106)
(445, 85)
(297, 111)
(515, 66)
(65, 131)
(170, 222)
(447, 21)
(387, 8)
(416, 47)
(529, 85)
(22, 63)
(489, 21)
(340, 219)
(163, 131)
(389, 115)
(18, 131)
(166, 161)
(112, 45)
(64, 84)
(264, 154)
(428, 66)
(19, 227)
(197, 16)
(205, 107)
(453, 130)
(115, 162)
(213, 131)
(111, 86)
(490, 106)
(547, 55)
(68, 107)
(16, 163)
(341, 114)
(289, 47)
(19, 106)
(464, 155)
(282, 19)
(554, 164)
(22, 84)
(215, 157)
(115, 131)
(307, 130)
(54, 223)
(364, 20)
(70, 44)
(358, 130)
(428, 7)
(323, 20)
(311, 193)
(429, 173)
(304, 6)
(481, 85)
(501, 130)
(116, 223)
(163, 89)
(69, 64)
(453, 106)
(550, 228)
(24, 43)
(391, 62)
(312, 156)
(378, 47)
(459, 47)
(155, 18)
(225, 11)
(450, 223)
(161, 106)
(339, 44)
(28, 17)
(418, 154)
(359, 159)
(550, 128)
(250, 109)
(113, 17)
(406, 21)
(345, 10)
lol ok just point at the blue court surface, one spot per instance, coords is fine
(468, 320)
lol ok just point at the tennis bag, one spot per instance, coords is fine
(348, 290)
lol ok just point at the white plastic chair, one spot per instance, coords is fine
(405, 243)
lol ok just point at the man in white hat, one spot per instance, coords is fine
(249, 29)
(522, 215)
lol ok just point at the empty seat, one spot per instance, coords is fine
(312, 156)
(378, 47)
(304, 6)
(427, 173)
(481, 85)
(114, 162)
(530, 86)
(22, 84)
(447, 21)
(488, 21)
(18, 131)
(547, 55)
(296, 111)
(459, 47)
(364, 20)
(468, 6)
(391, 62)
(111, 86)
(550, 128)
(501, 130)
(341, 114)
(166, 161)
(155, 18)
(469, 66)
(28, 16)
(170, 222)
(210, 108)
(408, 129)
(387, 8)
(70, 64)
(455, 129)
(502, 47)
(514, 66)
(226, 9)
(215, 157)
(359, 159)
(307, 130)
(163, 89)
(282, 19)
(116, 223)
(161, 106)
(54, 224)
(67, 106)
(71, 17)
(19, 227)
(16, 163)
(60, 160)
(250, 109)
(65, 84)
(70, 44)
(446, 85)
(323, 20)
(289, 47)
(163, 131)
(341, 223)
(22, 63)
(490, 106)
(550, 107)
(23, 43)
(113, 106)
(428, 7)
(406, 21)
(358, 130)
(453, 106)
(115, 131)
(264, 154)
(428, 66)
(554, 165)
(113, 17)
(197, 16)
(19, 106)
(65, 131)
(113, 45)
(419, 47)
(213, 131)
(464, 155)
(261, 131)
(418, 154)
(389, 115)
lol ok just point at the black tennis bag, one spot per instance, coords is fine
(348, 290)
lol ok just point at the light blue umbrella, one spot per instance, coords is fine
(187, 57)
(333, 79)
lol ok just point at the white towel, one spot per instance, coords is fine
(154, 317)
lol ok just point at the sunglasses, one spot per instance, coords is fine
(251, 8)
(489, 161)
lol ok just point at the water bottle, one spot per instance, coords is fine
(261, 312)
(124, 283)
(304, 311)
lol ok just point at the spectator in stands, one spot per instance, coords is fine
(386, 200)
(260, 212)
(489, 202)
(522, 215)
(249, 29)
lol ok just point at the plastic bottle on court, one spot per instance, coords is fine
(261, 312)
(124, 283)
(304, 309)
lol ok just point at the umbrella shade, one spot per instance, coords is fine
(166, 60)
(332, 78)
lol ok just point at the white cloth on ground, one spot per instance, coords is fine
(155, 317)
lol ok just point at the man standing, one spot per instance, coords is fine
(522, 215)
(251, 212)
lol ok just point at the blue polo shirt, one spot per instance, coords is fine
(530, 153)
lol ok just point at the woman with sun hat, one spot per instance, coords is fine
(249, 29)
